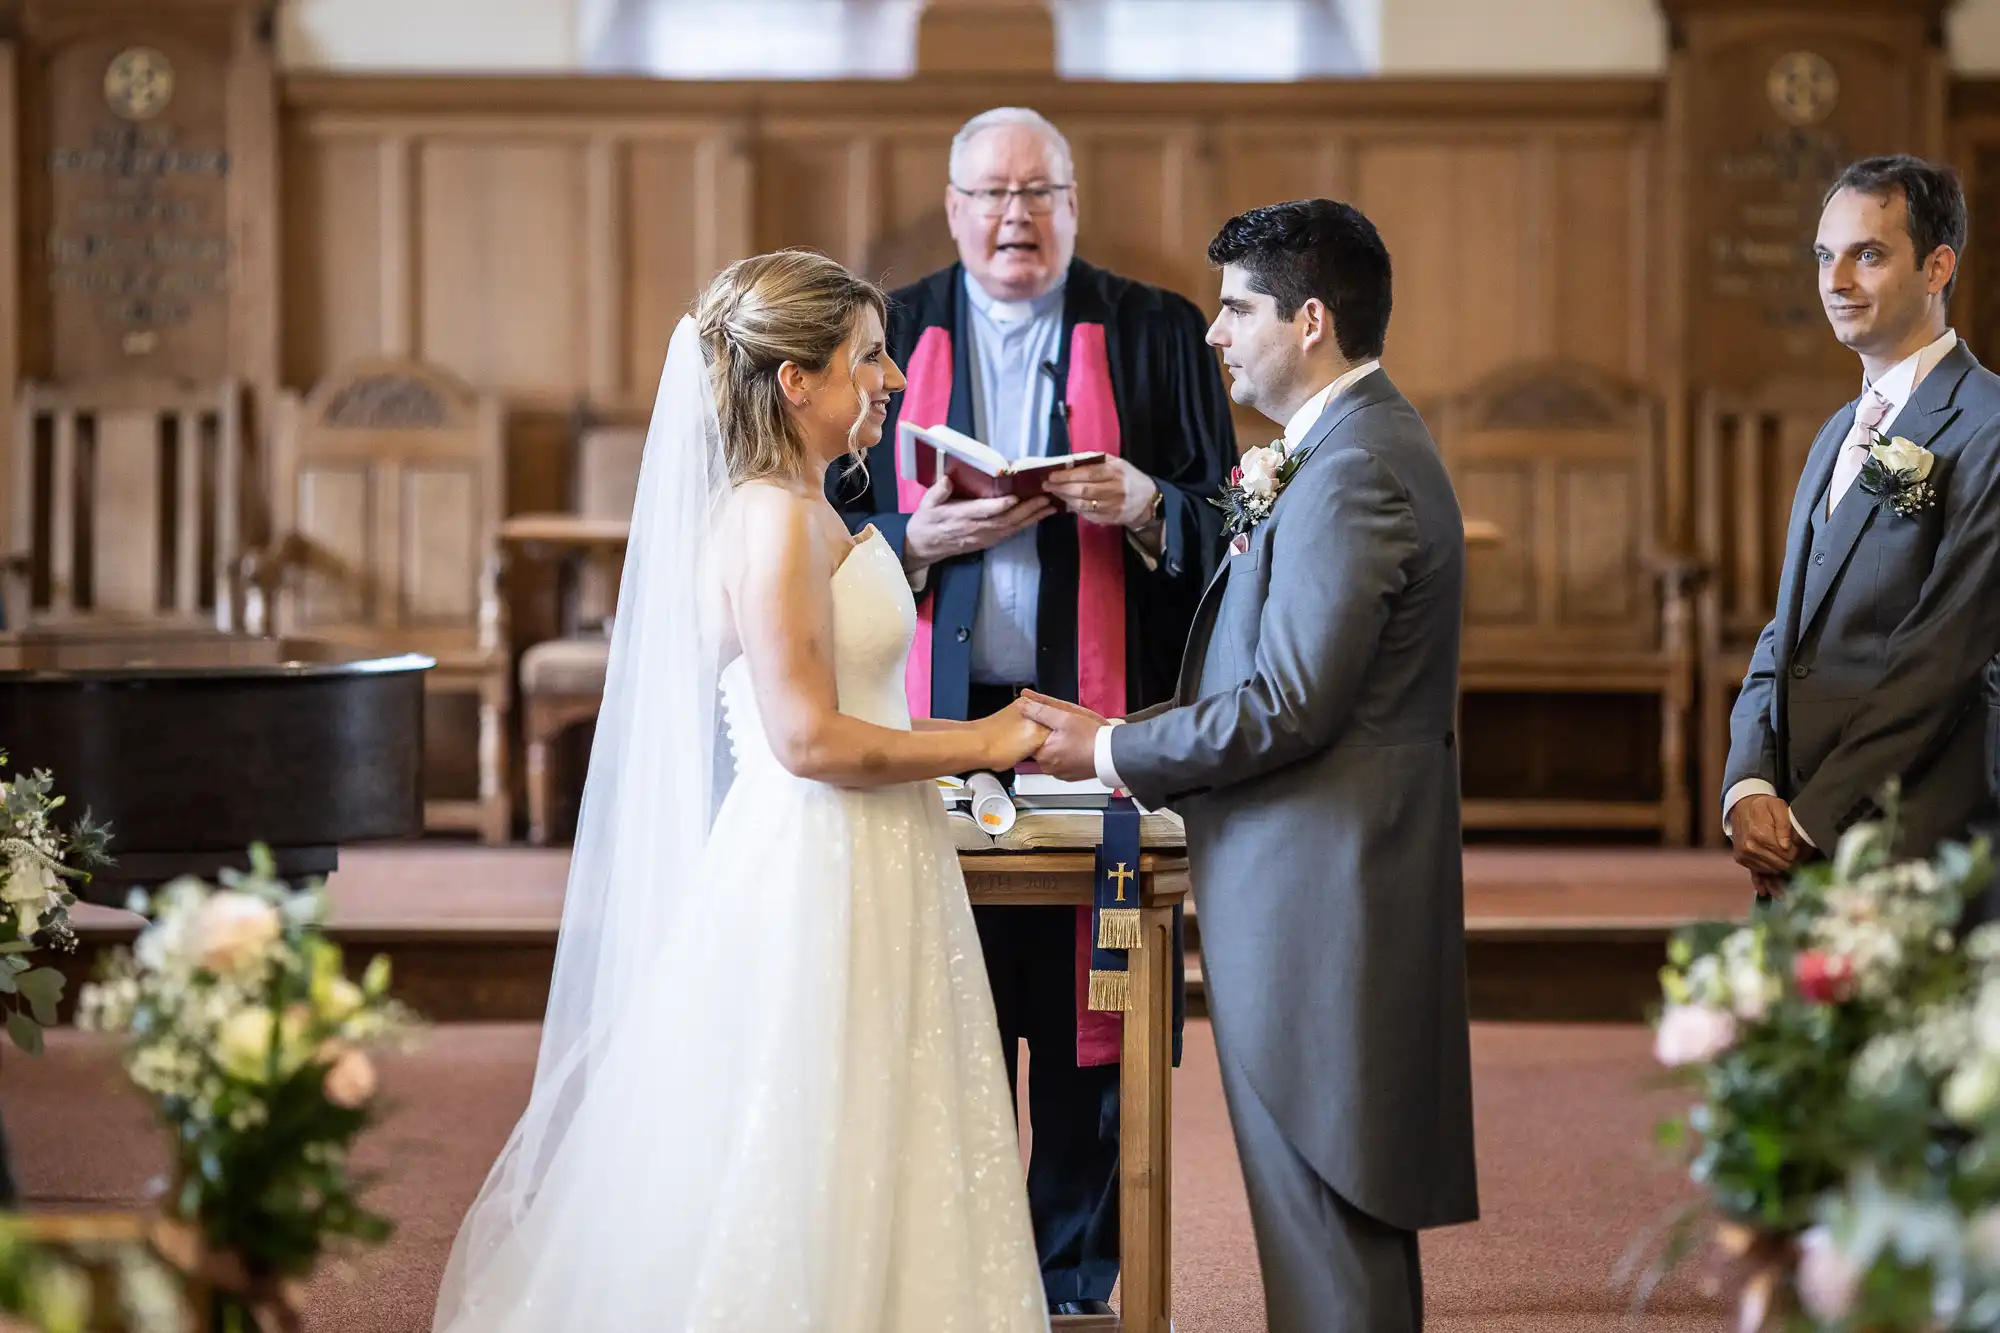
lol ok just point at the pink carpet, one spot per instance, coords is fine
(1567, 1175)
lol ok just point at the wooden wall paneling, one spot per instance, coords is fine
(1124, 205)
(1406, 187)
(17, 538)
(502, 262)
(664, 198)
(347, 289)
(729, 182)
(397, 248)
(803, 174)
(912, 238)
(605, 269)
(256, 288)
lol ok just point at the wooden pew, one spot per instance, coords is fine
(1571, 591)
(127, 505)
(386, 494)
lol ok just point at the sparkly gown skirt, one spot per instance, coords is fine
(823, 1144)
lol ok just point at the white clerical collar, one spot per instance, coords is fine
(1303, 419)
(1013, 312)
(1900, 381)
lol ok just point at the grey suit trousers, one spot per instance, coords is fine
(1328, 1267)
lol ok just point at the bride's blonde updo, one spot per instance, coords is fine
(759, 313)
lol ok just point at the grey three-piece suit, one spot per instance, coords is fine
(1311, 753)
(1875, 665)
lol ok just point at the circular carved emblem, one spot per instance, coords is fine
(1803, 87)
(139, 83)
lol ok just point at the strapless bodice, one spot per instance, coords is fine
(874, 620)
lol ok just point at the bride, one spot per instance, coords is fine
(770, 1097)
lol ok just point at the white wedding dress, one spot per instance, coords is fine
(825, 1143)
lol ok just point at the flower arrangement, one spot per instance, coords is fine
(39, 860)
(242, 1027)
(85, 1273)
(1846, 1047)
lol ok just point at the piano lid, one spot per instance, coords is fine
(151, 652)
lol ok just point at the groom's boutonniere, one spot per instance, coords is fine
(1899, 470)
(1254, 486)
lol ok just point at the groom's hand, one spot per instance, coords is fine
(1761, 829)
(1070, 752)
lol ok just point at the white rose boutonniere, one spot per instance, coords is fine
(1254, 486)
(1899, 470)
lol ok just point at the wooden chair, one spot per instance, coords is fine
(386, 494)
(562, 679)
(1750, 450)
(1577, 595)
(127, 506)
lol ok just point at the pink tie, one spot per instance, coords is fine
(1869, 414)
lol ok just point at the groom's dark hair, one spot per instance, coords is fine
(1315, 248)
(1935, 198)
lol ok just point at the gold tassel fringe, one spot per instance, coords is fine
(1110, 992)
(1118, 928)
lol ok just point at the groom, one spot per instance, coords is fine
(1888, 608)
(1310, 750)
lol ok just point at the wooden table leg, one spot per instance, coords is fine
(1145, 1122)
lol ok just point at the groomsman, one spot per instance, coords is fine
(1086, 594)
(1888, 607)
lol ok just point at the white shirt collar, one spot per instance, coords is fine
(1900, 381)
(1013, 312)
(1303, 419)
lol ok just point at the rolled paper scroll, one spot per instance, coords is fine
(991, 805)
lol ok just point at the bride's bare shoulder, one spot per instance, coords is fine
(779, 522)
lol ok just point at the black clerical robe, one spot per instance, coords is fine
(1172, 419)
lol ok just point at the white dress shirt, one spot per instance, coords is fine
(1295, 433)
(1897, 385)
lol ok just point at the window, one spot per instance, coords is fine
(1272, 40)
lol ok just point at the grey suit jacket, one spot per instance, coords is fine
(1313, 759)
(1874, 665)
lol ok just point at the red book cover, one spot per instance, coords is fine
(976, 471)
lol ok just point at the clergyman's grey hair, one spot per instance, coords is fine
(1008, 115)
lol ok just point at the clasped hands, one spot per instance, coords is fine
(1766, 843)
(1112, 493)
(1060, 737)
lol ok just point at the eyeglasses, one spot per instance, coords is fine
(993, 202)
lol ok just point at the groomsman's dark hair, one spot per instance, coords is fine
(1935, 197)
(1315, 248)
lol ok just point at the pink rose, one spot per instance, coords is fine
(1823, 978)
(351, 1081)
(1691, 1034)
(1827, 1279)
(234, 930)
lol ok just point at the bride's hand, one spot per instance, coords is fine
(1009, 737)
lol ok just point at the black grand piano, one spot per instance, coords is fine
(193, 744)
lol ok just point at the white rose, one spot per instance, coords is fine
(234, 930)
(351, 1080)
(1900, 455)
(1691, 1034)
(1972, 1092)
(1827, 1279)
(1260, 471)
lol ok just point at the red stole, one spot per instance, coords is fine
(1100, 599)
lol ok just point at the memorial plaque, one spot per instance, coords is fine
(1774, 104)
(134, 244)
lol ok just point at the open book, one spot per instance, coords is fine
(976, 470)
(1062, 830)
